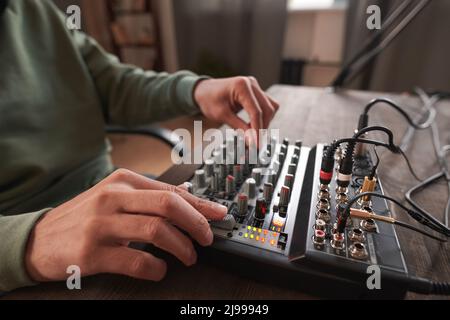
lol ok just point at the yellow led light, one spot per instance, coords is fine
(257, 238)
(252, 236)
(246, 235)
(249, 228)
(259, 230)
(254, 229)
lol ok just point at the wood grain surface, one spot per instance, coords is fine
(314, 115)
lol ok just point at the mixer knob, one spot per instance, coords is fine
(298, 143)
(237, 172)
(250, 188)
(229, 184)
(209, 167)
(260, 209)
(188, 186)
(297, 151)
(294, 159)
(269, 150)
(286, 142)
(292, 168)
(283, 148)
(268, 191)
(217, 156)
(215, 185)
(199, 178)
(289, 180)
(284, 196)
(242, 205)
(276, 166)
(272, 177)
(256, 175)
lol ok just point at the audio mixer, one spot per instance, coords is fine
(282, 221)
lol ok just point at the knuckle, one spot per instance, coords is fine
(167, 200)
(121, 174)
(151, 228)
(138, 264)
(253, 80)
(201, 225)
(106, 196)
(242, 82)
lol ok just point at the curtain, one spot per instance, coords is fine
(419, 56)
(231, 37)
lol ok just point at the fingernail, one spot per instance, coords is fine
(192, 256)
(221, 208)
(209, 237)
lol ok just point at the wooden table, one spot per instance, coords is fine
(313, 115)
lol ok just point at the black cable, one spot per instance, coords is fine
(375, 167)
(425, 286)
(346, 213)
(370, 42)
(441, 152)
(364, 60)
(364, 118)
(408, 163)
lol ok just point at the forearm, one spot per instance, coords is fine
(131, 96)
(14, 233)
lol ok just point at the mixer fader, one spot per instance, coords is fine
(262, 199)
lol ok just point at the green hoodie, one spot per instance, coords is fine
(58, 88)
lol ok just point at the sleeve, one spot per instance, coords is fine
(132, 96)
(14, 233)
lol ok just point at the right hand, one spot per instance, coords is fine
(94, 229)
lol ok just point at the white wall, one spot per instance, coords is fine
(316, 36)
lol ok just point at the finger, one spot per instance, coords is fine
(235, 122)
(209, 209)
(248, 101)
(132, 263)
(154, 230)
(266, 107)
(171, 206)
(265, 102)
(274, 104)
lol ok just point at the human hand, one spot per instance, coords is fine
(221, 99)
(94, 229)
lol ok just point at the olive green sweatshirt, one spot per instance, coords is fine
(58, 88)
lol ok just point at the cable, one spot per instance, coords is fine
(370, 42)
(410, 168)
(441, 152)
(375, 167)
(364, 60)
(364, 118)
(342, 221)
(362, 214)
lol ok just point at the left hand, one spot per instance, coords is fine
(221, 99)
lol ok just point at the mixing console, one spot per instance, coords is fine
(281, 223)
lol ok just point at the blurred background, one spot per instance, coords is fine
(296, 42)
